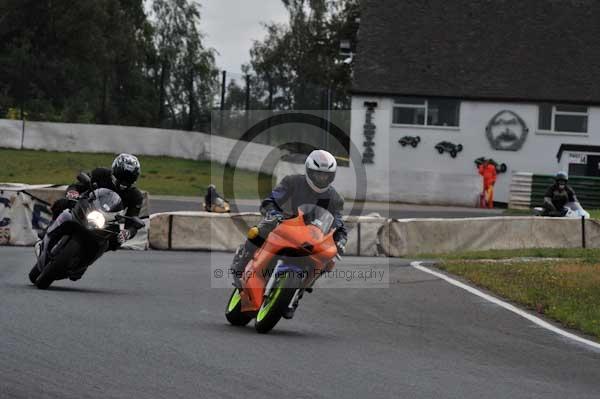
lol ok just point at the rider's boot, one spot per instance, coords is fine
(288, 313)
(242, 256)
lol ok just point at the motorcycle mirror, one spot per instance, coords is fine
(84, 178)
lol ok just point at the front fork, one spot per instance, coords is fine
(271, 283)
(272, 279)
(47, 252)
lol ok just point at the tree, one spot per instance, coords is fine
(300, 61)
(299, 66)
(235, 97)
(105, 61)
(187, 76)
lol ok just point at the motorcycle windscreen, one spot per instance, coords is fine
(107, 201)
(317, 216)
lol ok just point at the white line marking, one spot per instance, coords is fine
(507, 306)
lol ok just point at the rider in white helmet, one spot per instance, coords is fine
(320, 167)
(313, 187)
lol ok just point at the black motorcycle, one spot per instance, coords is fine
(80, 235)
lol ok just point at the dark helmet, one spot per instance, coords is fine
(125, 171)
(561, 176)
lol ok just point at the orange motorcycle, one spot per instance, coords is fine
(289, 261)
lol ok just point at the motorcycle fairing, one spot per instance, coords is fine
(65, 226)
(287, 238)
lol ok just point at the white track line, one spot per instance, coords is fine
(507, 306)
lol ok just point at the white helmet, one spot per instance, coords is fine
(320, 170)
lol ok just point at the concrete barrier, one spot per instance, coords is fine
(50, 136)
(363, 235)
(204, 231)
(409, 237)
(218, 232)
(11, 132)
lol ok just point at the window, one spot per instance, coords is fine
(563, 118)
(425, 112)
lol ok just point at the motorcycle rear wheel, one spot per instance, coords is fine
(233, 312)
(58, 265)
(273, 306)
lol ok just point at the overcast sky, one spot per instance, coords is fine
(230, 27)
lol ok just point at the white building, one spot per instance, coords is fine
(518, 84)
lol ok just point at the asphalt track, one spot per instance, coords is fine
(148, 325)
(396, 211)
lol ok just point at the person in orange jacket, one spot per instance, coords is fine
(488, 171)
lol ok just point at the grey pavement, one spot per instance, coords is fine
(148, 325)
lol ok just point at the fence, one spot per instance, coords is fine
(245, 100)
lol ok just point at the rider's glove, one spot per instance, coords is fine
(341, 245)
(123, 236)
(274, 215)
(268, 224)
(72, 195)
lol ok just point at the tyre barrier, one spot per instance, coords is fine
(410, 237)
(206, 231)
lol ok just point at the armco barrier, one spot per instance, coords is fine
(411, 237)
(217, 232)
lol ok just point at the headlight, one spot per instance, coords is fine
(96, 219)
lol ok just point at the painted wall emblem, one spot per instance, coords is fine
(369, 133)
(506, 131)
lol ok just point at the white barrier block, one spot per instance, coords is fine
(140, 241)
(50, 136)
(363, 233)
(208, 231)
(10, 133)
(407, 237)
(198, 230)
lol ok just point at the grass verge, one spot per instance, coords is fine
(567, 291)
(160, 175)
(589, 255)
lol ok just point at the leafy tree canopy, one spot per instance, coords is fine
(105, 61)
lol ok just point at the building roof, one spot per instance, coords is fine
(576, 148)
(533, 50)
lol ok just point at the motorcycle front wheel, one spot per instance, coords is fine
(275, 304)
(59, 265)
(233, 313)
